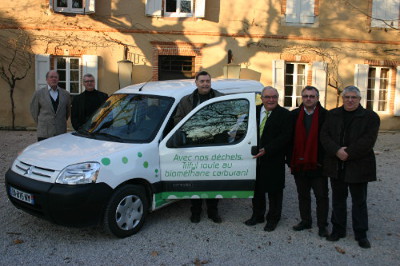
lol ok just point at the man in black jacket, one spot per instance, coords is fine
(306, 160)
(202, 93)
(86, 103)
(348, 136)
(275, 131)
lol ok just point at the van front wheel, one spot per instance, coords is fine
(126, 211)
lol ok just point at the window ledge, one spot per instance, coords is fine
(302, 25)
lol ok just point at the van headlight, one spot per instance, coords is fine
(82, 173)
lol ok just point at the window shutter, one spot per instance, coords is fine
(387, 10)
(292, 11)
(51, 4)
(200, 8)
(361, 81)
(307, 11)
(89, 65)
(393, 10)
(89, 6)
(278, 78)
(397, 94)
(42, 66)
(154, 8)
(319, 78)
(378, 12)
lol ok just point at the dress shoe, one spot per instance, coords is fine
(215, 218)
(270, 226)
(335, 236)
(301, 226)
(195, 218)
(323, 232)
(254, 220)
(364, 243)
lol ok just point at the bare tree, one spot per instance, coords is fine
(390, 23)
(330, 55)
(15, 61)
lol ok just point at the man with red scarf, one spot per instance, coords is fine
(306, 160)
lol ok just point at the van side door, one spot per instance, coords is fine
(209, 153)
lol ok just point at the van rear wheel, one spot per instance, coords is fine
(126, 211)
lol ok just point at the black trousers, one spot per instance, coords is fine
(359, 210)
(319, 185)
(274, 202)
(212, 206)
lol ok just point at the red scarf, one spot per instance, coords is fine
(305, 150)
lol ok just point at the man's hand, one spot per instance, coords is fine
(342, 154)
(260, 153)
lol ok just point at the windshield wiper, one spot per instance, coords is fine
(82, 132)
(106, 135)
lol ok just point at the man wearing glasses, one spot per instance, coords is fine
(275, 131)
(306, 156)
(86, 103)
(348, 136)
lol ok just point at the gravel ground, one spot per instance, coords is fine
(168, 237)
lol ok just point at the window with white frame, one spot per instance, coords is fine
(385, 13)
(176, 8)
(73, 6)
(71, 69)
(68, 69)
(378, 88)
(295, 81)
(289, 78)
(300, 11)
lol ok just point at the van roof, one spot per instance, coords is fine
(180, 88)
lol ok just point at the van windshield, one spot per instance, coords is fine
(128, 118)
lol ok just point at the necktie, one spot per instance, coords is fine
(263, 122)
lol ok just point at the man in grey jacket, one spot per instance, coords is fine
(202, 93)
(50, 108)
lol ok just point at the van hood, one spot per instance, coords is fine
(58, 152)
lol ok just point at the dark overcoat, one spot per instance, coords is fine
(275, 140)
(78, 112)
(359, 137)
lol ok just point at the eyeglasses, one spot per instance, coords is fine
(351, 97)
(308, 96)
(87, 81)
(270, 97)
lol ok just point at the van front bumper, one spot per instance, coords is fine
(70, 205)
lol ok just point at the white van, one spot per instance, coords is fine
(129, 158)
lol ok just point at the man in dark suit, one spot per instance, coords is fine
(50, 108)
(86, 103)
(348, 136)
(275, 131)
(306, 159)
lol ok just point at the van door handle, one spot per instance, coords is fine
(254, 150)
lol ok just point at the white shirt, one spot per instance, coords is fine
(263, 113)
(53, 93)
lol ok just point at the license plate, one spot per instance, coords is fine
(22, 196)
